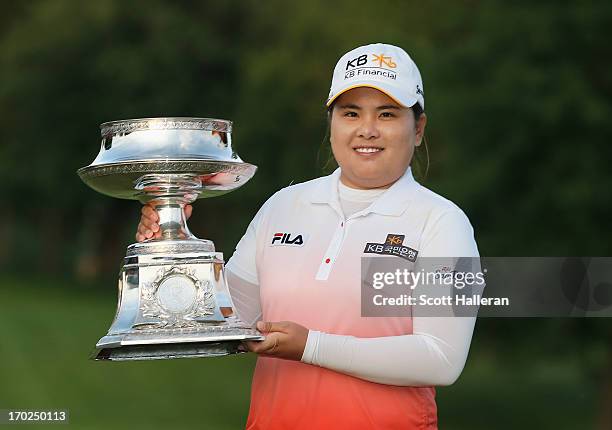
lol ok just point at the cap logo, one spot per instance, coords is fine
(382, 59)
(356, 62)
(379, 66)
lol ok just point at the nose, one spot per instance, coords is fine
(368, 128)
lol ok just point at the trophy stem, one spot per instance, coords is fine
(172, 221)
(169, 193)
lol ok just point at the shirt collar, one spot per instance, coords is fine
(393, 202)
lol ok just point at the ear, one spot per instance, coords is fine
(330, 126)
(419, 127)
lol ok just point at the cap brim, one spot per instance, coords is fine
(406, 103)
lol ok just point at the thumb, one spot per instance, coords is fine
(268, 326)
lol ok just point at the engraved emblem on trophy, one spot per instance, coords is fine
(173, 297)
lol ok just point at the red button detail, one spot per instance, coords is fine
(328, 260)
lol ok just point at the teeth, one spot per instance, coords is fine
(368, 149)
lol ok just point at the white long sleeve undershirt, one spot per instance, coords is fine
(433, 355)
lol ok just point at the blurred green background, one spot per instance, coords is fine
(519, 105)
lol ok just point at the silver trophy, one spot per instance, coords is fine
(173, 298)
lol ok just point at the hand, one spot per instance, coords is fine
(148, 228)
(284, 339)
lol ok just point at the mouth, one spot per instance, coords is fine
(368, 149)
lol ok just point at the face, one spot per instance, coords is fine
(373, 138)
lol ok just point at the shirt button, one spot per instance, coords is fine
(342, 224)
(327, 261)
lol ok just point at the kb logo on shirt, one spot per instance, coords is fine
(392, 246)
(287, 239)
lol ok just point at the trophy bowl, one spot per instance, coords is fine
(135, 147)
(173, 297)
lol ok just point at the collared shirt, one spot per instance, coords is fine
(305, 256)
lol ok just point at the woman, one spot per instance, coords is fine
(323, 365)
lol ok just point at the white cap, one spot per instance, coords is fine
(386, 68)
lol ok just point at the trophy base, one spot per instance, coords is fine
(173, 303)
(168, 351)
(163, 344)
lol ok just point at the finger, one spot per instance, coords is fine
(188, 211)
(251, 345)
(263, 326)
(269, 327)
(139, 237)
(145, 231)
(256, 347)
(271, 349)
(142, 228)
(149, 223)
(266, 346)
(148, 212)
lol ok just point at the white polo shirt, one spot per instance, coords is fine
(305, 257)
(305, 222)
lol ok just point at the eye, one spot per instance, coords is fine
(350, 114)
(387, 114)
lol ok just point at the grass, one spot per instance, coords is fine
(46, 337)
(47, 332)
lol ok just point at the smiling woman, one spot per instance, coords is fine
(296, 273)
(373, 138)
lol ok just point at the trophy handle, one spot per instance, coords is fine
(168, 194)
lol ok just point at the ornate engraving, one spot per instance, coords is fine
(194, 299)
(164, 166)
(131, 125)
(184, 247)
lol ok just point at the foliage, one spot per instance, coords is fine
(518, 103)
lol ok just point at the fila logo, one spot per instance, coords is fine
(287, 239)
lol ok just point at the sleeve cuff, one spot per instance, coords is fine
(312, 345)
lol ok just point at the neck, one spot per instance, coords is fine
(363, 186)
